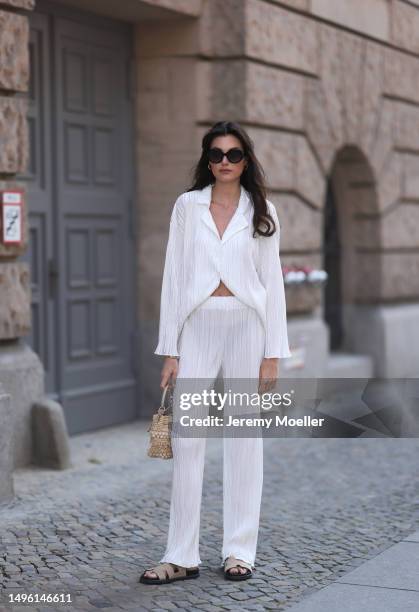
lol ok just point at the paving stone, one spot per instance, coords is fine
(91, 532)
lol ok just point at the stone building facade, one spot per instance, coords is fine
(328, 92)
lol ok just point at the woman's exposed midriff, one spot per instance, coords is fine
(222, 290)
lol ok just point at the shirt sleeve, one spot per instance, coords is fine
(276, 343)
(170, 291)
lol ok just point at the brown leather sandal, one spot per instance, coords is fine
(169, 572)
(233, 562)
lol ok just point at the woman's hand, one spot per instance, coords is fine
(169, 371)
(268, 374)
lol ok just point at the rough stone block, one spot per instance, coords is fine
(228, 101)
(387, 276)
(389, 182)
(15, 313)
(301, 226)
(50, 437)
(24, 4)
(317, 125)
(164, 101)
(397, 229)
(406, 126)
(273, 96)
(310, 182)
(352, 49)
(332, 80)
(279, 36)
(302, 5)
(6, 450)
(277, 154)
(405, 26)
(373, 75)
(371, 18)
(383, 143)
(14, 66)
(161, 39)
(228, 20)
(22, 375)
(204, 71)
(411, 176)
(401, 75)
(14, 143)
(15, 250)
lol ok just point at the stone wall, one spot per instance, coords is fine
(6, 446)
(15, 294)
(322, 92)
(14, 77)
(301, 123)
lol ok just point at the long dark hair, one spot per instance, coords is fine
(252, 178)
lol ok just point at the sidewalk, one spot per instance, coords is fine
(389, 582)
(330, 508)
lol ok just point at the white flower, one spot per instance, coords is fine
(298, 277)
(317, 276)
(295, 277)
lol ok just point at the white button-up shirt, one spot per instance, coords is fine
(197, 259)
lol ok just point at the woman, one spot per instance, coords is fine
(222, 306)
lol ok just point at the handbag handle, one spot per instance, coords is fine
(162, 408)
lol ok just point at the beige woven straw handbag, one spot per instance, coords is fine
(161, 428)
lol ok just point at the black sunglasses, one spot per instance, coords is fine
(235, 155)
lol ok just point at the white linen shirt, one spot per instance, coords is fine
(197, 259)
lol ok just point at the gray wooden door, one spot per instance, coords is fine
(82, 243)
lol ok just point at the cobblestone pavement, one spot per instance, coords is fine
(328, 505)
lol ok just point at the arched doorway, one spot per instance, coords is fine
(350, 215)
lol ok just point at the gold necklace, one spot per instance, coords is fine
(223, 205)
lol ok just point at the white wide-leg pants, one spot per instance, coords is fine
(225, 333)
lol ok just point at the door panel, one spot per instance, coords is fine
(40, 252)
(89, 275)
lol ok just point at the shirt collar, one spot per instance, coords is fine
(239, 221)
